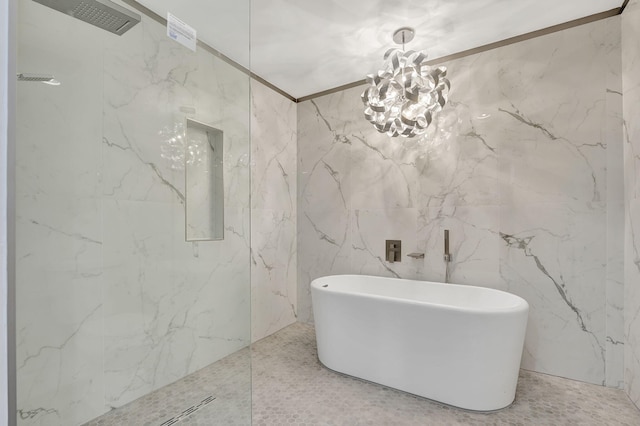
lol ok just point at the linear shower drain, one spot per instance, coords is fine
(189, 411)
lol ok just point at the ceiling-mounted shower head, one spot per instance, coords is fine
(101, 13)
(42, 78)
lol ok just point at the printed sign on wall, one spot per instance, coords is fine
(181, 32)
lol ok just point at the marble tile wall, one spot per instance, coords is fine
(612, 134)
(7, 54)
(59, 352)
(521, 167)
(516, 168)
(631, 112)
(273, 211)
(112, 302)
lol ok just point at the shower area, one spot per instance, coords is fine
(132, 210)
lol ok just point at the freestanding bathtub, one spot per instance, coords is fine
(456, 344)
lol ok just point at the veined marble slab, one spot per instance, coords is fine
(273, 211)
(631, 137)
(112, 302)
(516, 168)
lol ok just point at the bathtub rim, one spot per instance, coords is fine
(521, 306)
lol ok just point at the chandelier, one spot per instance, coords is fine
(178, 149)
(402, 98)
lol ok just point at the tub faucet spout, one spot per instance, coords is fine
(447, 255)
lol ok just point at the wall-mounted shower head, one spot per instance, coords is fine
(42, 78)
(101, 13)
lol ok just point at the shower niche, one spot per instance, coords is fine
(204, 204)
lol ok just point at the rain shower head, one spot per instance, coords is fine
(101, 13)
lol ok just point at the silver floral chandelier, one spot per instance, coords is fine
(402, 98)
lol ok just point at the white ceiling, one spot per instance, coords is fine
(307, 46)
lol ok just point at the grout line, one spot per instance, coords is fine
(490, 46)
(533, 34)
(330, 91)
(162, 21)
(624, 5)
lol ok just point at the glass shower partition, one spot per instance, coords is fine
(113, 304)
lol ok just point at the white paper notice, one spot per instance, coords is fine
(181, 32)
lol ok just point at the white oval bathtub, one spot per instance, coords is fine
(456, 344)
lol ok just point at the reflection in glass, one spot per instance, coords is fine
(203, 161)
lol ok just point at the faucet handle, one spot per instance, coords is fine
(393, 251)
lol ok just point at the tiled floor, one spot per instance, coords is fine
(228, 381)
(290, 387)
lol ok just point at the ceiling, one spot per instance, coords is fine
(308, 46)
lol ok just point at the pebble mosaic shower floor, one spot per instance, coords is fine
(290, 387)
